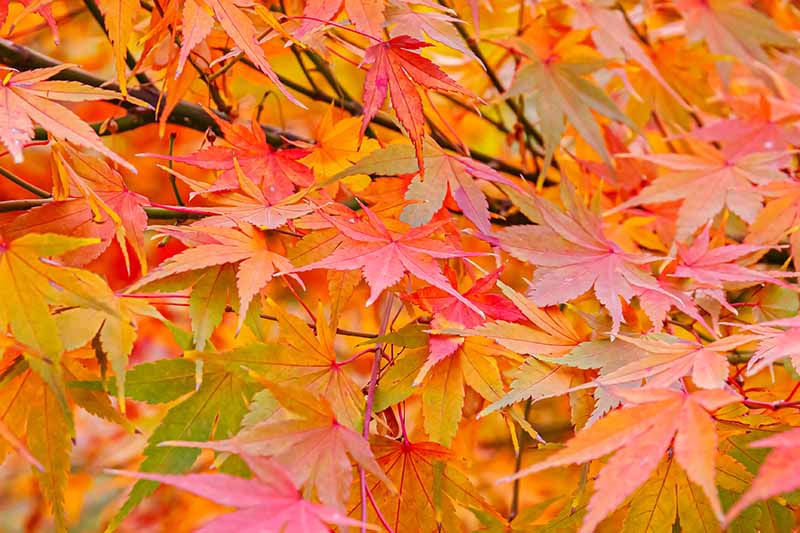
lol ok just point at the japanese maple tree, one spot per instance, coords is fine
(399, 265)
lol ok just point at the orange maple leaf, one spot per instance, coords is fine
(243, 245)
(780, 472)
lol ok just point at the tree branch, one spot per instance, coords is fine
(185, 114)
(194, 117)
(387, 121)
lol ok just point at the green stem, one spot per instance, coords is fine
(172, 181)
(41, 193)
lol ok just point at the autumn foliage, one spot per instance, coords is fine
(399, 265)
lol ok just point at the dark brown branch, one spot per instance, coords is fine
(185, 114)
(195, 117)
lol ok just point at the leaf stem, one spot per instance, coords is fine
(772, 406)
(373, 385)
(336, 25)
(355, 356)
(382, 519)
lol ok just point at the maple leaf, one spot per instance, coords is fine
(276, 172)
(268, 502)
(213, 410)
(118, 16)
(49, 432)
(430, 485)
(27, 98)
(572, 255)
(97, 203)
(336, 148)
(313, 447)
(668, 497)
(731, 27)
(444, 304)
(30, 283)
(444, 172)
(778, 473)
(707, 182)
(453, 363)
(111, 332)
(244, 246)
(554, 77)
(44, 10)
(657, 304)
(613, 36)
(303, 359)
(385, 253)
(454, 173)
(37, 405)
(780, 217)
(757, 128)
(437, 26)
(238, 26)
(247, 204)
(553, 335)
(640, 434)
(396, 66)
(544, 376)
(196, 25)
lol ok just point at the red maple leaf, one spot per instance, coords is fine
(397, 67)
(442, 303)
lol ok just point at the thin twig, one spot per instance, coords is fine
(172, 181)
